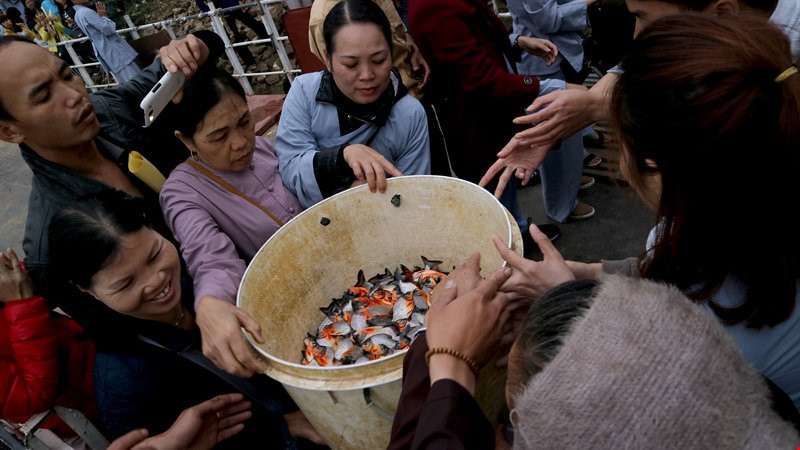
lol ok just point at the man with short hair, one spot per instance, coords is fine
(77, 144)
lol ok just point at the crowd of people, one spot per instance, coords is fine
(694, 342)
(49, 22)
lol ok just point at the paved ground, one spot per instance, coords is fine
(15, 180)
(617, 230)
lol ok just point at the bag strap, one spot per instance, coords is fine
(213, 177)
(195, 356)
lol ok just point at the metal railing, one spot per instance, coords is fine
(288, 66)
(215, 16)
(498, 11)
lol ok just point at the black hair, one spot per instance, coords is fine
(5, 41)
(201, 93)
(697, 96)
(85, 236)
(354, 11)
(15, 15)
(547, 324)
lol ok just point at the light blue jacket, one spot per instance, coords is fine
(559, 21)
(308, 126)
(112, 51)
(773, 351)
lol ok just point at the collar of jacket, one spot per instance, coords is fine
(60, 179)
(376, 112)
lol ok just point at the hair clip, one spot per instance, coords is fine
(786, 74)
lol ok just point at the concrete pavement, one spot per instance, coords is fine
(15, 181)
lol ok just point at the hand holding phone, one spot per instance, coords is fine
(161, 94)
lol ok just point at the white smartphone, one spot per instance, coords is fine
(161, 94)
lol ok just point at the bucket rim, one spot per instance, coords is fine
(386, 359)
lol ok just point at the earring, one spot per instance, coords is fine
(194, 155)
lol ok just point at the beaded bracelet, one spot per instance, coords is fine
(473, 365)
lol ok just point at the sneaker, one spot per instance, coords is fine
(551, 231)
(592, 160)
(586, 182)
(582, 211)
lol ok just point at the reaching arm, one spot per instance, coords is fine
(128, 96)
(211, 256)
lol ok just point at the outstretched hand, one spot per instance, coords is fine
(517, 160)
(554, 116)
(224, 344)
(200, 427)
(465, 278)
(471, 323)
(531, 278)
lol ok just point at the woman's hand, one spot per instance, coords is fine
(471, 323)
(531, 279)
(223, 342)
(14, 282)
(418, 64)
(539, 47)
(370, 166)
(555, 116)
(519, 161)
(200, 427)
(465, 278)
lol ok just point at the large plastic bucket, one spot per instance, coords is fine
(316, 256)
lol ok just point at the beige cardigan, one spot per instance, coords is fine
(647, 368)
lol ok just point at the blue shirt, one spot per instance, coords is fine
(308, 126)
(112, 51)
(558, 21)
(775, 351)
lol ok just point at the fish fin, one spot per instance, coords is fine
(361, 280)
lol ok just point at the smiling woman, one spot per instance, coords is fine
(148, 366)
(354, 122)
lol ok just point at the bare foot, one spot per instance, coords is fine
(300, 427)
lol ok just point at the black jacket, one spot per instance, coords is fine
(121, 120)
